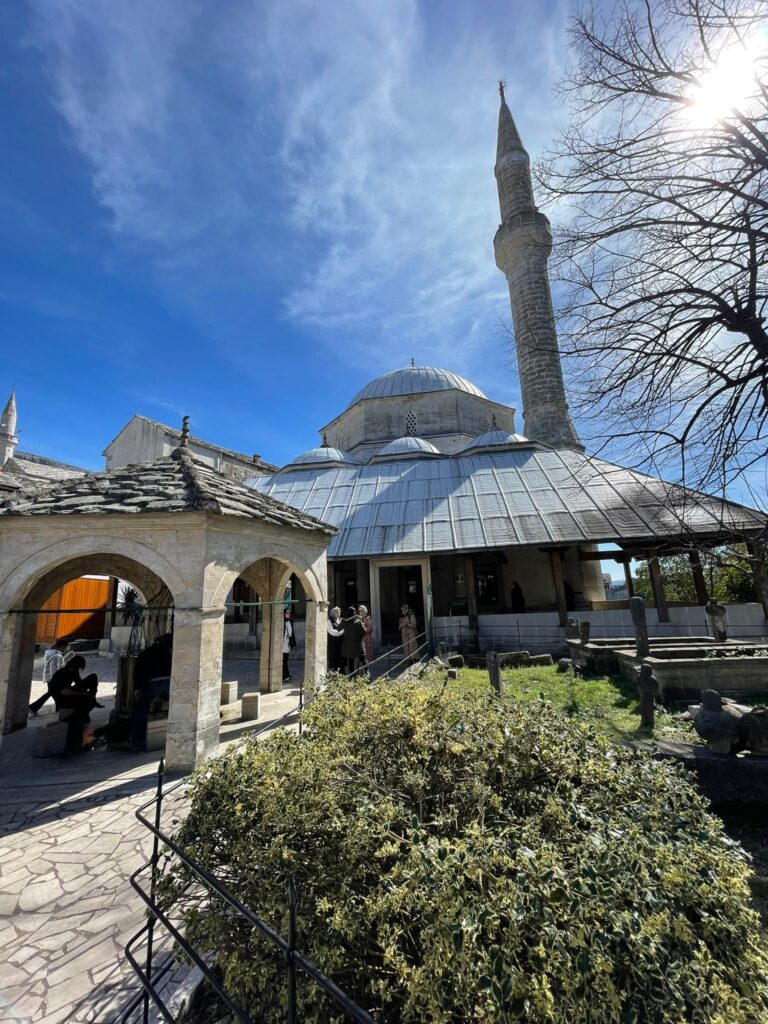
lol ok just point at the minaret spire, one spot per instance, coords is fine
(8, 439)
(522, 246)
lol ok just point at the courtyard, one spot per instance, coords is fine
(68, 844)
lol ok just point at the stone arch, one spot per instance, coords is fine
(29, 585)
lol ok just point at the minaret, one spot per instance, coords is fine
(522, 246)
(8, 439)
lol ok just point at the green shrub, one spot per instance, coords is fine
(461, 861)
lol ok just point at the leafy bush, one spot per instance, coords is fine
(458, 860)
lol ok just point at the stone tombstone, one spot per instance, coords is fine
(718, 722)
(716, 614)
(647, 686)
(572, 629)
(585, 628)
(637, 609)
(754, 730)
(494, 671)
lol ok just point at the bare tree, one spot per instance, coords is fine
(661, 178)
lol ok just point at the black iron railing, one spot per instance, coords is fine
(152, 976)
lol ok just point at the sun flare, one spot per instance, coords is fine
(726, 85)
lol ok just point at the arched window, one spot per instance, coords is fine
(410, 423)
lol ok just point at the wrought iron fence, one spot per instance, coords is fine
(152, 975)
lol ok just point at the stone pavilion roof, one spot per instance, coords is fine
(174, 483)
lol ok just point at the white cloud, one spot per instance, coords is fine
(344, 148)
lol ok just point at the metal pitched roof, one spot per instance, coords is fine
(523, 496)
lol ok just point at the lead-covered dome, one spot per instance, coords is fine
(405, 448)
(324, 455)
(415, 380)
(494, 439)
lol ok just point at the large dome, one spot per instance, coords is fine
(415, 380)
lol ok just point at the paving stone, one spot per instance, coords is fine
(8, 903)
(40, 894)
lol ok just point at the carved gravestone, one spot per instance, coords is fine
(584, 631)
(572, 629)
(648, 687)
(718, 723)
(754, 730)
(716, 614)
(637, 608)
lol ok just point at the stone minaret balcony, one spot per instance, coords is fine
(522, 246)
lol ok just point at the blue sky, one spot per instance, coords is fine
(244, 211)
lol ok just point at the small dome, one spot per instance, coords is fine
(415, 380)
(407, 447)
(495, 439)
(323, 456)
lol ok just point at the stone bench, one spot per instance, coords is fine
(251, 704)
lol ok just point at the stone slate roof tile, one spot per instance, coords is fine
(174, 483)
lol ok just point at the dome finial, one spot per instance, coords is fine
(494, 424)
(184, 442)
(325, 441)
(413, 361)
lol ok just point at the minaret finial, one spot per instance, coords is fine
(184, 442)
(502, 87)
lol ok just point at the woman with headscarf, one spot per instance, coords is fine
(365, 618)
(335, 629)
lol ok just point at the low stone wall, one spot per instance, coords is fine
(725, 779)
(684, 678)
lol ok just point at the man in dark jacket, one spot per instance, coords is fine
(352, 643)
(72, 693)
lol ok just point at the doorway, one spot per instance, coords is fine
(398, 585)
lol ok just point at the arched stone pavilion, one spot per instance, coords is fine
(175, 522)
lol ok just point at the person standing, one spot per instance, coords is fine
(289, 642)
(408, 629)
(335, 634)
(352, 647)
(55, 658)
(365, 618)
(516, 599)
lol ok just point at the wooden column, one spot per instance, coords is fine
(699, 581)
(627, 566)
(760, 577)
(657, 585)
(556, 562)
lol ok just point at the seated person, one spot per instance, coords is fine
(151, 680)
(70, 691)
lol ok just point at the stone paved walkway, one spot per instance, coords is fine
(68, 843)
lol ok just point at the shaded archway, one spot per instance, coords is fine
(17, 635)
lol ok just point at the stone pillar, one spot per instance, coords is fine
(271, 653)
(20, 674)
(556, 562)
(637, 608)
(657, 586)
(699, 581)
(315, 644)
(193, 714)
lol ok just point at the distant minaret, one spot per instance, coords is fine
(8, 439)
(522, 246)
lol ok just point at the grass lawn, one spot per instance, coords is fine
(609, 703)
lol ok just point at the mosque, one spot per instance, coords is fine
(439, 502)
(422, 490)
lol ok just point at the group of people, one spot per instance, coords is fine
(350, 639)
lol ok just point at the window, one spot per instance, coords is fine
(410, 423)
